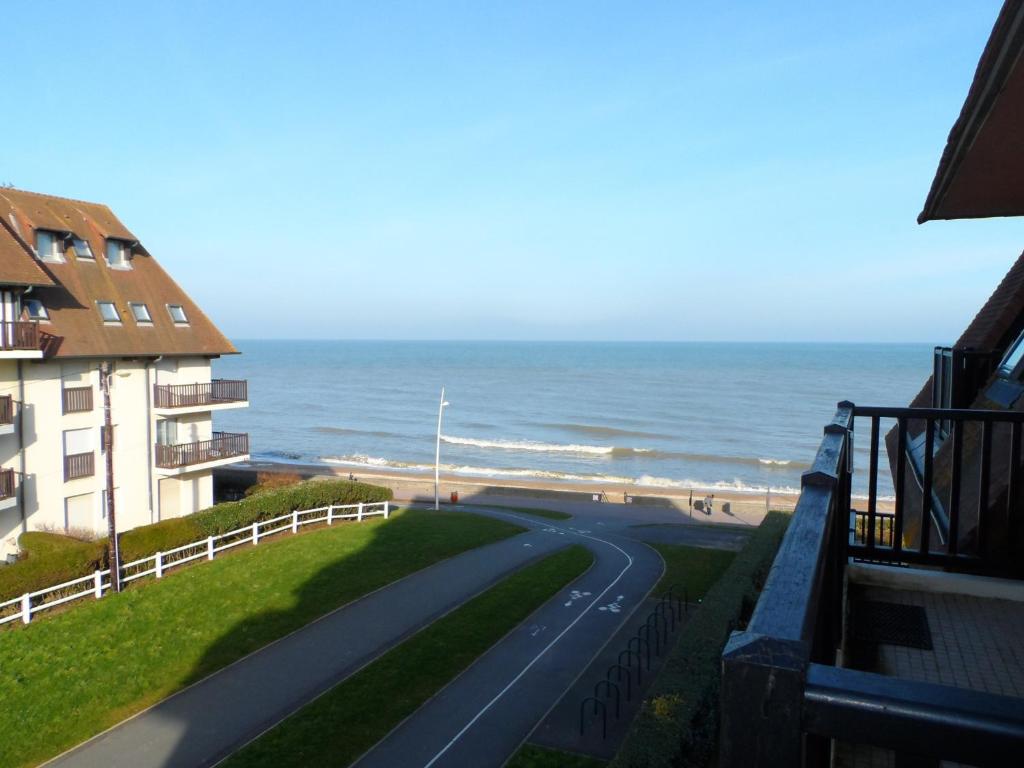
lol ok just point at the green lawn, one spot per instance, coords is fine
(694, 569)
(531, 756)
(341, 725)
(72, 675)
(550, 514)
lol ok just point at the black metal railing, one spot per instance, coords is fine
(6, 483)
(76, 399)
(223, 445)
(209, 393)
(957, 499)
(19, 335)
(6, 409)
(783, 699)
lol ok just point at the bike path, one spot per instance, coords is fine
(483, 715)
(204, 723)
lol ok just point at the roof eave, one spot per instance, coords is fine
(1002, 53)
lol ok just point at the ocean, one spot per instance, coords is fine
(728, 416)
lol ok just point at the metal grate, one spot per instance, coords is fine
(877, 623)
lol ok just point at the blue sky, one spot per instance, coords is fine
(708, 171)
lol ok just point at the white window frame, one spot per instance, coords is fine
(148, 320)
(56, 254)
(184, 315)
(43, 314)
(112, 305)
(90, 256)
(124, 250)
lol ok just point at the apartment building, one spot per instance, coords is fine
(79, 295)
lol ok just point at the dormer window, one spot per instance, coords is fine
(108, 312)
(49, 246)
(34, 309)
(141, 313)
(118, 253)
(177, 313)
(82, 248)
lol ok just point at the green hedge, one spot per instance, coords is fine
(678, 723)
(49, 558)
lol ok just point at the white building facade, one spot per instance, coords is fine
(80, 296)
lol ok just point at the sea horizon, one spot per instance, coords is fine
(731, 416)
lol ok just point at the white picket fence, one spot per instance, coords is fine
(157, 565)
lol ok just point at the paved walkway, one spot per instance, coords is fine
(482, 716)
(206, 722)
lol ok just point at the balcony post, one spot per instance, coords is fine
(763, 680)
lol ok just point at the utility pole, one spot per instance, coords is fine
(113, 547)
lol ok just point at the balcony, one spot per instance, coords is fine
(223, 448)
(78, 465)
(77, 399)
(6, 415)
(8, 496)
(20, 340)
(216, 395)
(888, 628)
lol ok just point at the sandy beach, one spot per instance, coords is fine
(727, 507)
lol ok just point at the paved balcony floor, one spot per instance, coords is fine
(975, 643)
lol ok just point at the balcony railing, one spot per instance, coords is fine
(77, 399)
(6, 483)
(6, 409)
(188, 395)
(79, 465)
(956, 505)
(224, 445)
(20, 335)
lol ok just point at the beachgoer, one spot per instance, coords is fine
(707, 504)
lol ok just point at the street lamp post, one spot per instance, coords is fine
(437, 454)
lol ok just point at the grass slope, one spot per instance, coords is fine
(67, 678)
(694, 569)
(341, 725)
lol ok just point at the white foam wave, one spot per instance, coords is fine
(648, 481)
(529, 445)
(775, 462)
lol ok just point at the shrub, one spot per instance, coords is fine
(678, 723)
(51, 558)
(266, 481)
(159, 537)
(48, 559)
(281, 501)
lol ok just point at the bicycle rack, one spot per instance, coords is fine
(664, 608)
(658, 639)
(647, 648)
(619, 669)
(604, 715)
(608, 686)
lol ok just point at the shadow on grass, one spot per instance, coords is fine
(222, 713)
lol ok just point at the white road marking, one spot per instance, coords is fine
(548, 647)
(576, 595)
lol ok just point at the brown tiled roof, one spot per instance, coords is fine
(79, 283)
(17, 264)
(982, 164)
(998, 322)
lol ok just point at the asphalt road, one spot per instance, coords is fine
(481, 717)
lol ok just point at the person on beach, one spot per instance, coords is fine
(707, 504)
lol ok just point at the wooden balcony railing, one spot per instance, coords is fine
(6, 409)
(6, 483)
(224, 445)
(77, 399)
(957, 505)
(79, 465)
(189, 395)
(19, 335)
